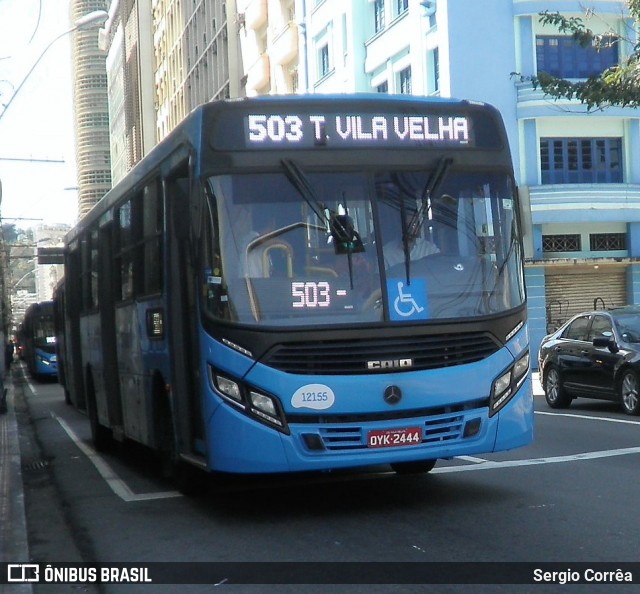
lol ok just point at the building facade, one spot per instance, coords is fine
(575, 168)
(93, 159)
(196, 50)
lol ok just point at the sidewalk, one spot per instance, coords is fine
(13, 526)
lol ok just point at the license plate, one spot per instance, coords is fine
(390, 438)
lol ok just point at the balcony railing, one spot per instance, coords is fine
(258, 75)
(255, 14)
(549, 201)
(285, 45)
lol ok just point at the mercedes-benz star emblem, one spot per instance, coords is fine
(392, 395)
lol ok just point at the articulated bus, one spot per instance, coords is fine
(306, 283)
(38, 341)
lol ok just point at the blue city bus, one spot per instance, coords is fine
(303, 283)
(37, 340)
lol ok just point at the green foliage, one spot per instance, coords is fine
(9, 232)
(616, 86)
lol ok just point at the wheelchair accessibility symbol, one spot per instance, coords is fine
(409, 301)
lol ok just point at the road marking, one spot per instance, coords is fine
(33, 389)
(118, 486)
(591, 418)
(537, 461)
(472, 459)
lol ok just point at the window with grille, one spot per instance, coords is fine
(404, 80)
(402, 6)
(607, 242)
(294, 81)
(561, 56)
(378, 15)
(562, 243)
(383, 87)
(323, 61)
(581, 160)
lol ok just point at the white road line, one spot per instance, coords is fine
(118, 486)
(472, 459)
(606, 419)
(537, 461)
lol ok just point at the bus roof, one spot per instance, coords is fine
(319, 123)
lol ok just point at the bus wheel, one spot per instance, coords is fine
(100, 435)
(420, 467)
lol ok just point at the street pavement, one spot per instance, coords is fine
(13, 525)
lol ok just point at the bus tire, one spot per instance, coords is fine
(100, 435)
(419, 467)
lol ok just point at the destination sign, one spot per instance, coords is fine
(263, 130)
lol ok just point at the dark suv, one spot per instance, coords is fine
(594, 355)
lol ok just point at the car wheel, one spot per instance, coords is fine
(554, 393)
(629, 400)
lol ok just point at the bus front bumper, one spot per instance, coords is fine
(239, 444)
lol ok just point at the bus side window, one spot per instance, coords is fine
(153, 222)
(128, 251)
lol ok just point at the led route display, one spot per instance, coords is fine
(271, 130)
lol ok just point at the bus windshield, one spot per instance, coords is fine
(323, 248)
(44, 333)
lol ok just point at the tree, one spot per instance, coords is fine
(618, 85)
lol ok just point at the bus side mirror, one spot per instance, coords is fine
(526, 226)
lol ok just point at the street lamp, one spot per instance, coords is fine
(91, 20)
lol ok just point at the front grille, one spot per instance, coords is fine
(338, 357)
(437, 430)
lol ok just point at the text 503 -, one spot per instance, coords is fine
(275, 128)
(311, 294)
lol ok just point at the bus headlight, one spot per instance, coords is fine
(252, 402)
(265, 407)
(228, 388)
(507, 384)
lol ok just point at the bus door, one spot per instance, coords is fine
(182, 312)
(73, 306)
(108, 323)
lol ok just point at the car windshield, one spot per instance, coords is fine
(309, 248)
(628, 326)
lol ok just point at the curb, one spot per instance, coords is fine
(13, 536)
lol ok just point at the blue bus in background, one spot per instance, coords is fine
(37, 340)
(302, 283)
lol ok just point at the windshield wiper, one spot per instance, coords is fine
(411, 230)
(345, 238)
(301, 183)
